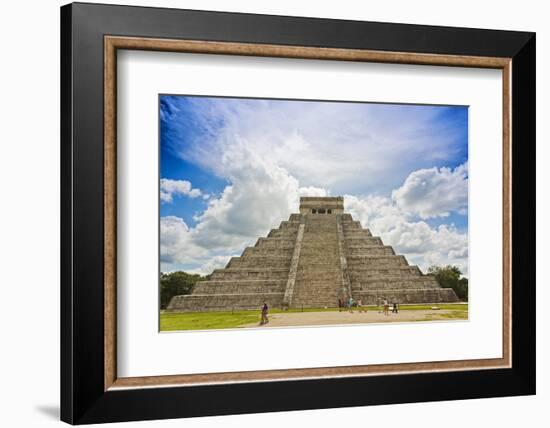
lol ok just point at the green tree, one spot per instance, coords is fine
(451, 277)
(175, 284)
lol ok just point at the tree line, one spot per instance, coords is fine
(175, 284)
(451, 277)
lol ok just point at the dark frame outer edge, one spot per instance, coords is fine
(524, 215)
(83, 399)
(66, 316)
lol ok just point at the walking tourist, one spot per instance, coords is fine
(350, 304)
(340, 305)
(360, 305)
(386, 308)
(395, 310)
(265, 310)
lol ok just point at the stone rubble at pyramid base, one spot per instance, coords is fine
(311, 261)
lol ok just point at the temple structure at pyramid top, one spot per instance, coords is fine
(312, 260)
(321, 205)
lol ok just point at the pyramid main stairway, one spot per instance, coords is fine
(312, 260)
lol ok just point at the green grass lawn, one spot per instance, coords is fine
(171, 321)
(454, 315)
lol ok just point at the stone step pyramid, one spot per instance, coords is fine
(312, 260)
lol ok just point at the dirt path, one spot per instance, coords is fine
(345, 317)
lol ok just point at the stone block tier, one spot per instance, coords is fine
(312, 260)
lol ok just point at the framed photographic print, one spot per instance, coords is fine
(274, 213)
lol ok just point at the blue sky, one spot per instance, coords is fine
(232, 168)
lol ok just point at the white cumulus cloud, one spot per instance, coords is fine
(434, 192)
(312, 191)
(176, 244)
(169, 188)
